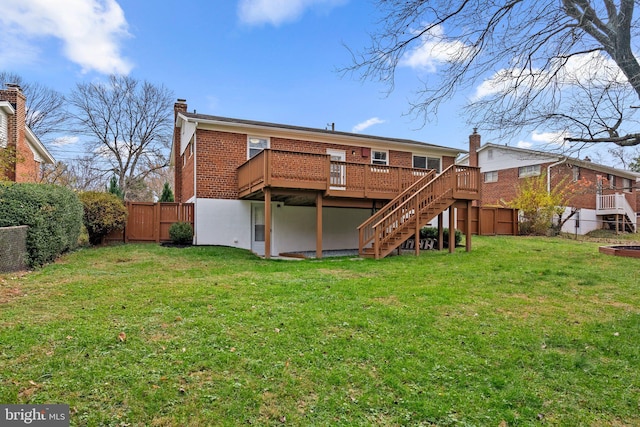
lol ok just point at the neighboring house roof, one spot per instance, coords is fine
(40, 152)
(539, 157)
(7, 107)
(324, 134)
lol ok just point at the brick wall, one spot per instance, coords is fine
(221, 153)
(24, 167)
(179, 107)
(585, 198)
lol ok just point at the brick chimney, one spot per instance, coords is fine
(179, 107)
(16, 127)
(474, 146)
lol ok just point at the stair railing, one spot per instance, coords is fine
(365, 230)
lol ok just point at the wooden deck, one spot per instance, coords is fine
(277, 169)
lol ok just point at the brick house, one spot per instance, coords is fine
(608, 197)
(22, 152)
(314, 187)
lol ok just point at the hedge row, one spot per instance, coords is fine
(53, 214)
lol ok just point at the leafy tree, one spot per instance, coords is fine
(538, 205)
(167, 194)
(129, 124)
(566, 65)
(114, 188)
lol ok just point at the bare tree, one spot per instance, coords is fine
(530, 61)
(128, 123)
(46, 109)
(79, 174)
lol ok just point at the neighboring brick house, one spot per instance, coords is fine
(315, 186)
(607, 198)
(21, 152)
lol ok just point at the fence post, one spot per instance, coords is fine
(156, 222)
(126, 226)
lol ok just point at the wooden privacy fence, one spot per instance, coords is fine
(489, 221)
(150, 222)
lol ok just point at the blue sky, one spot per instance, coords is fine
(267, 60)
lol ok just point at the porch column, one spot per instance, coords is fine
(267, 223)
(440, 231)
(467, 232)
(319, 225)
(452, 230)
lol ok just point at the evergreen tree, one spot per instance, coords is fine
(114, 188)
(167, 194)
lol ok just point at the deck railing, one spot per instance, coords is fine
(607, 204)
(309, 171)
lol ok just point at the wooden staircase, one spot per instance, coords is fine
(415, 207)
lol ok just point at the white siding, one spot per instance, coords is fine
(507, 159)
(4, 132)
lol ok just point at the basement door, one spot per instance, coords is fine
(258, 229)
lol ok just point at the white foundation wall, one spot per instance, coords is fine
(223, 222)
(587, 221)
(294, 228)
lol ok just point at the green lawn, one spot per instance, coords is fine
(521, 331)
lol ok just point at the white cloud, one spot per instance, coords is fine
(65, 140)
(524, 144)
(276, 12)
(434, 50)
(91, 31)
(590, 67)
(549, 137)
(366, 124)
(544, 139)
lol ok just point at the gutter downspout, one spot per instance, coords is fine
(549, 172)
(195, 190)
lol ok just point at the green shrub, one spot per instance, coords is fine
(181, 233)
(53, 214)
(432, 233)
(103, 213)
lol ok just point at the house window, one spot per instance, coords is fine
(626, 185)
(423, 162)
(491, 176)
(379, 158)
(612, 181)
(433, 163)
(490, 154)
(256, 144)
(526, 171)
(576, 174)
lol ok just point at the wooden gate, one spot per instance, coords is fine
(490, 221)
(150, 222)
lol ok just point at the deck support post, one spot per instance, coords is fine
(267, 223)
(452, 229)
(467, 232)
(440, 231)
(319, 225)
(417, 235)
